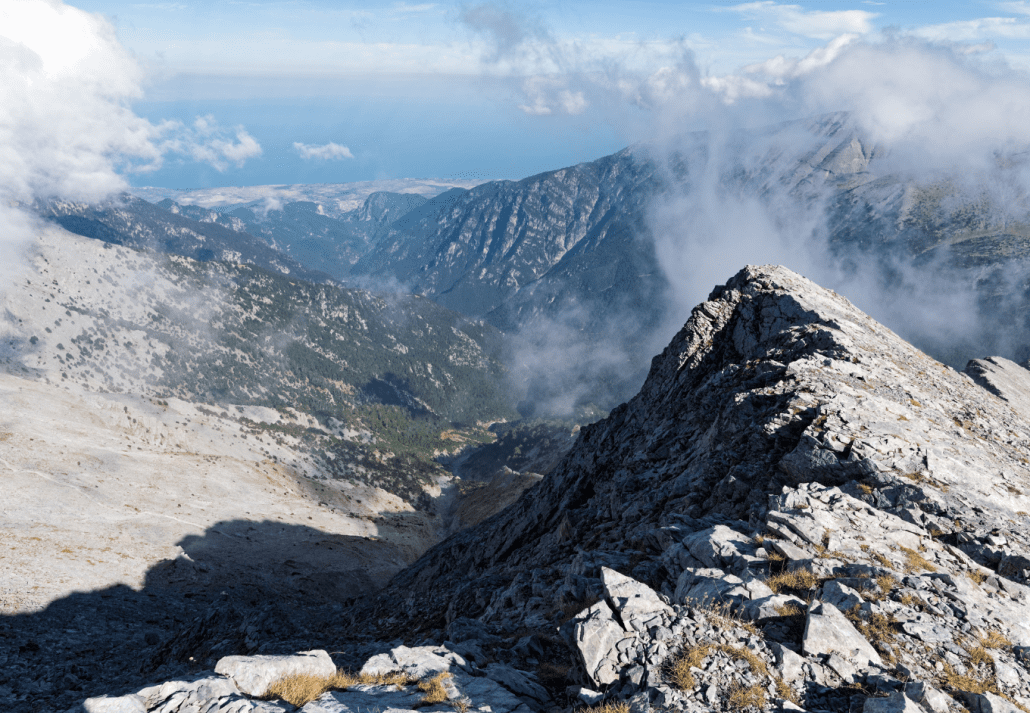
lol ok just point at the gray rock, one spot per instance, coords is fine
(927, 628)
(828, 631)
(518, 682)
(929, 697)
(418, 662)
(988, 703)
(121, 704)
(254, 674)
(632, 599)
(708, 586)
(587, 695)
(772, 606)
(896, 702)
(719, 546)
(841, 596)
(595, 634)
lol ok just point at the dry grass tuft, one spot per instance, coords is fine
(882, 561)
(886, 583)
(979, 655)
(680, 673)
(723, 615)
(789, 610)
(607, 707)
(914, 562)
(994, 639)
(433, 688)
(976, 575)
(299, 689)
(911, 600)
(785, 692)
(798, 580)
(693, 657)
(746, 696)
(878, 629)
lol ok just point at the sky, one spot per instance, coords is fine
(235, 92)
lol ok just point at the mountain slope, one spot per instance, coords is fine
(798, 511)
(305, 231)
(135, 223)
(778, 410)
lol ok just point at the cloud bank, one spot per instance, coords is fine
(325, 152)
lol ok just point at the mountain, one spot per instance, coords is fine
(135, 223)
(589, 257)
(798, 511)
(306, 232)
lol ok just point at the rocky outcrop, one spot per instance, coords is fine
(784, 439)
(799, 510)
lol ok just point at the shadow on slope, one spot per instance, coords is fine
(241, 587)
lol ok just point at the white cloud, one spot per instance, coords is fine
(208, 142)
(325, 152)
(984, 28)
(818, 24)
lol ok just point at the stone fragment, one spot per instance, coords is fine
(789, 664)
(719, 546)
(254, 674)
(587, 695)
(775, 605)
(840, 595)
(927, 628)
(827, 631)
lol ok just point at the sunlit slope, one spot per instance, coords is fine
(151, 403)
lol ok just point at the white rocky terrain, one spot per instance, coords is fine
(137, 459)
(798, 511)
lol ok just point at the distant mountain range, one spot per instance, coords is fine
(569, 257)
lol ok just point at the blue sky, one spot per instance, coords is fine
(294, 91)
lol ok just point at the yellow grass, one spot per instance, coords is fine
(433, 688)
(298, 689)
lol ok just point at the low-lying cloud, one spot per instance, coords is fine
(324, 152)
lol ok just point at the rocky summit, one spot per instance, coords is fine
(798, 511)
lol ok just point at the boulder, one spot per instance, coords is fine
(594, 635)
(632, 599)
(418, 661)
(895, 702)
(828, 631)
(254, 674)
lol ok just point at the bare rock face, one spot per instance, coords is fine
(783, 442)
(799, 510)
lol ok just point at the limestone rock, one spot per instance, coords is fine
(896, 702)
(595, 634)
(121, 704)
(254, 674)
(828, 631)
